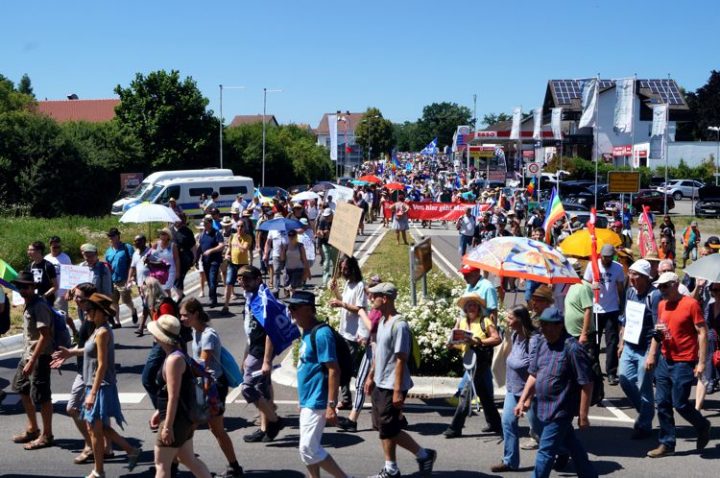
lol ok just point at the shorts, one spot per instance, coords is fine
(183, 430)
(77, 395)
(231, 273)
(385, 417)
(37, 384)
(254, 388)
(294, 278)
(312, 425)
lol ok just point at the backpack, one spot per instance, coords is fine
(484, 354)
(60, 331)
(598, 393)
(414, 356)
(5, 317)
(342, 352)
(203, 401)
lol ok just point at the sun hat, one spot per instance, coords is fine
(247, 213)
(384, 288)
(24, 277)
(234, 210)
(544, 292)
(165, 230)
(297, 205)
(166, 329)
(87, 247)
(551, 314)
(608, 250)
(666, 277)
(226, 221)
(102, 302)
(576, 265)
(642, 266)
(113, 232)
(468, 297)
(327, 212)
(652, 256)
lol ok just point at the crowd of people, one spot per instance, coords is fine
(660, 333)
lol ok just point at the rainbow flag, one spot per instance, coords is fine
(7, 274)
(531, 187)
(555, 211)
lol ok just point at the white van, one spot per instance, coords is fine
(121, 205)
(187, 192)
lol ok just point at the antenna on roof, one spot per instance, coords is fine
(73, 96)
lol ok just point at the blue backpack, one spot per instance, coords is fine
(61, 334)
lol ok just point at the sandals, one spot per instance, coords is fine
(26, 436)
(85, 456)
(42, 442)
(95, 474)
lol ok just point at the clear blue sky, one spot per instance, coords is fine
(398, 55)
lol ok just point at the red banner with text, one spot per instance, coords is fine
(434, 211)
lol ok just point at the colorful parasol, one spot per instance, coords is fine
(371, 178)
(395, 186)
(579, 243)
(7, 274)
(524, 258)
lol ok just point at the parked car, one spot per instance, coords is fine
(601, 220)
(681, 188)
(708, 204)
(654, 199)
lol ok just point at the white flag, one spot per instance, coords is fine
(332, 130)
(659, 123)
(625, 90)
(589, 103)
(555, 123)
(537, 123)
(515, 130)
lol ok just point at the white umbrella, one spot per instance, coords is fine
(148, 212)
(306, 196)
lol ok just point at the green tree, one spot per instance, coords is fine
(25, 86)
(170, 119)
(492, 118)
(374, 133)
(12, 99)
(406, 136)
(441, 120)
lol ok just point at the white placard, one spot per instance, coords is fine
(70, 276)
(17, 299)
(634, 317)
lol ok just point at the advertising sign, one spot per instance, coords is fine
(623, 182)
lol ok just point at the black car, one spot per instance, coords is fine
(708, 204)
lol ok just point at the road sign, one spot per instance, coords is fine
(534, 168)
(623, 182)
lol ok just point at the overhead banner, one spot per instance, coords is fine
(625, 91)
(659, 124)
(537, 123)
(332, 130)
(589, 103)
(556, 123)
(434, 211)
(516, 117)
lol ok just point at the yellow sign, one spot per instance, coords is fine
(623, 182)
(345, 227)
(482, 153)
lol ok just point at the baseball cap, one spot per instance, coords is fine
(694, 223)
(327, 212)
(302, 297)
(467, 269)
(642, 266)
(551, 314)
(608, 250)
(713, 242)
(666, 277)
(384, 288)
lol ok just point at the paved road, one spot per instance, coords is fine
(359, 454)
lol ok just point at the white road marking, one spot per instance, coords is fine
(621, 416)
(445, 265)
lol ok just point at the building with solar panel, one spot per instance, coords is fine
(614, 146)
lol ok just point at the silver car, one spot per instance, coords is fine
(681, 188)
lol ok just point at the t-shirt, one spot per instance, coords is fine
(208, 241)
(43, 273)
(351, 326)
(609, 278)
(650, 300)
(476, 329)
(37, 314)
(467, 225)
(240, 249)
(518, 362)
(119, 260)
(308, 242)
(579, 298)
(100, 277)
(208, 340)
(255, 335)
(393, 337)
(312, 377)
(57, 261)
(142, 271)
(681, 318)
(278, 239)
(324, 226)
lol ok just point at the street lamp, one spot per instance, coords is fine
(265, 92)
(222, 120)
(717, 159)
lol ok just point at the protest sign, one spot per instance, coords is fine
(70, 276)
(344, 227)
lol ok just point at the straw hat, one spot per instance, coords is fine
(166, 329)
(470, 297)
(102, 302)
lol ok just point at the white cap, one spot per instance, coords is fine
(642, 266)
(666, 277)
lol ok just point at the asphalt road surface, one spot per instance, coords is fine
(359, 453)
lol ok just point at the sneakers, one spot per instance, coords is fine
(529, 444)
(425, 465)
(386, 474)
(703, 436)
(133, 458)
(501, 468)
(661, 451)
(452, 433)
(561, 461)
(492, 429)
(347, 425)
(272, 429)
(254, 437)
(231, 472)
(134, 317)
(612, 380)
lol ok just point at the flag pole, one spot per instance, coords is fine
(595, 129)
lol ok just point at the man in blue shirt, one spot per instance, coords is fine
(209, 251)
(561, 381)
(478, 284)
(119, 257)
(637, 327)
(318, 378)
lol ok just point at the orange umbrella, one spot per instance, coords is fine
(395, 186)
(370, 178)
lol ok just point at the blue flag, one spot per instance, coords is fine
(273, 316)
(380, 168)
(431, 148)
